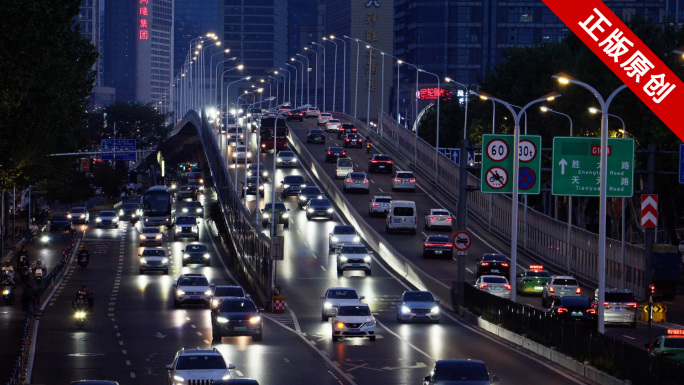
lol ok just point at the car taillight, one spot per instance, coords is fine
(412, 181)
(448, 219)
(504, 264)
(591, 311)
(376, 204)
(397, 180)
(432, 218)
(346, 140)
(507, 286)
(336, 170)
(578, 291)
(350, 181)
(389, 161)
(365, 181)
(562, 310)
(606, 304)
(632, 304)
(329, 152)
(374, 161)
(551, 289)
(344, 153)
(483, 285)
(484, 264)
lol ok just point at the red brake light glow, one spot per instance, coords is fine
(675, 332)
(591, 311)
(397, 180)
(412, 181)
(551, 289)
(632, 304)
(484, 263)
(483, 285)
(507, 286)
(504, 264)
(578, 291)
(536, 267)
(562, 310)
(376, 204)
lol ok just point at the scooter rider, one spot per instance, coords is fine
(8, 272)
(87, 295)
(83, 254)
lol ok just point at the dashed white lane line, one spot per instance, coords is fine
(314, 255)
(630, 337)
(425, 235)
(128, 362)
(121, 343)
(323, 268)
(193, 326)
(469, 271)
(381, 190)
(132, 375)
(239, 373)
(118, 334)
(124, 352)
(199, 334)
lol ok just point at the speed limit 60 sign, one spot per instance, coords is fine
(497, 164)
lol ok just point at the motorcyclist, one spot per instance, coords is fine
(87, 295)
(7, 276)
(83, 253)
(40, 264)
(23, 256)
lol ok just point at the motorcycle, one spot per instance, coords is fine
(45, 240)
(368, 147)
(80, 316)
(8, 294)
(38, 274)
(81, 305)
(83, 260)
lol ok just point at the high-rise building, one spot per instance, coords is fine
(192, 18)
(138, 50)
(361, 88)
(255, 31)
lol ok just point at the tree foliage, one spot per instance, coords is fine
(45, 78)
(138, 121)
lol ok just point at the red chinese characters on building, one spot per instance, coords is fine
(143, 11)
(433, 92)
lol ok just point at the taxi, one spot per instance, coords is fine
(670, 345)
(532, 280)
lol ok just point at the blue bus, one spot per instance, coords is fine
(156, 206)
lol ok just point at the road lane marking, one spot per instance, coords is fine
(626, 336)
(323, 268)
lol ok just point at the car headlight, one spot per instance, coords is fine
(334, 238)
(208, 292)
(261, 187)
(265, 173)
(343, 259)
(367, 259)
(98, 219)
(302, 186)
(249, 154)
(195, 229)
(255, 320)
(82, 216)
(302, 198)
(158, 236)
(115, 219)
(286, 186)
(357, 239)
(434, 310)
(278, 160)
(69, 216)
(199, 210)
(286, 215)
(221, 319)
(370, 322)
(186, 255)
(265, 215)
(214, 302)
(178, 378)
(164, 261)
(121, 212)
(142, 236)
(234, 155)
(185, 210)
(226, 377)
(180, 291)
(206, 255)
(310, 210)
(330, 211)
(178, 229)
(339, 325)
(327, 305)
(143, 260)
(405, 309)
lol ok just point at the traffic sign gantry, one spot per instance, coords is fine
(576, 167)
(124, 149)
(497, 164)
(462, 240)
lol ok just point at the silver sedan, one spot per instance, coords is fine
(417, 306)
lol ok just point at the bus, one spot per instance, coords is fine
(266, 133)
(156, 206)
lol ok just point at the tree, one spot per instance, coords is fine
(45, 78)
(138, 121)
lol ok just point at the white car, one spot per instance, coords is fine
(286, 159)
(198, 366)
(342, 234)
(353, 320)
(354, 256)
(343, 167)
(323, 118)
(226, 291)
(560, 286)
(495, 285)
(151, 235)
(154, 258)
(242, 153)
(379, 205)
(107, 218)
(312, 112)
(356, 181)
(438, 218)
(417, 306)
(404, 180)
(333, 125)
(334, 296)
(192, 288)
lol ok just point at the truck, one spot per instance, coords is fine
(666, 273)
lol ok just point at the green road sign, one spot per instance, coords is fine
(497, 164)
(576, 167)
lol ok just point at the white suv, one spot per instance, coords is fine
(191, 288)
(198, 366)
(560, 286)
(312, 112)
(334, 296)
(404, 180)
(353, 320)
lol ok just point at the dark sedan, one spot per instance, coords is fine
(439, 246)
(60, 223)
(346, 129)
(334, 153)
(308, 193)
(252, 185)
(292, 185)
(236, 317)
(130, 211)
(574, 309)
(353, 140)
(316, 137)
(319, 208)
(196, 253)
(493, 264)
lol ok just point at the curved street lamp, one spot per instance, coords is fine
(308, 84)
(334, 75)
(344, 71)
(324, 74)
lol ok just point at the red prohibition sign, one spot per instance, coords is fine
(462, 240)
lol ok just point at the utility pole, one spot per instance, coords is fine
(649, 232)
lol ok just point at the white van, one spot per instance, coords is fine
(401, 216)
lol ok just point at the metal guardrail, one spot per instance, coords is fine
(540, 236)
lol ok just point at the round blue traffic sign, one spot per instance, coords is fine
(526, 178)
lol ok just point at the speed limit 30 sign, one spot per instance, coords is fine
(497, 164)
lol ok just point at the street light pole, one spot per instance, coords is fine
(439, 96)
(295, 82)
(301, 97)
(516, 171)
(308, 84)
(605, 104)
(289, 86)
(325, 74)
(370, 67)
(315, 76)
(344, 72)
(277, 89)
(334, 75)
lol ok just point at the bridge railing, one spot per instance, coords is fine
(250, 246)
(539, 235)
